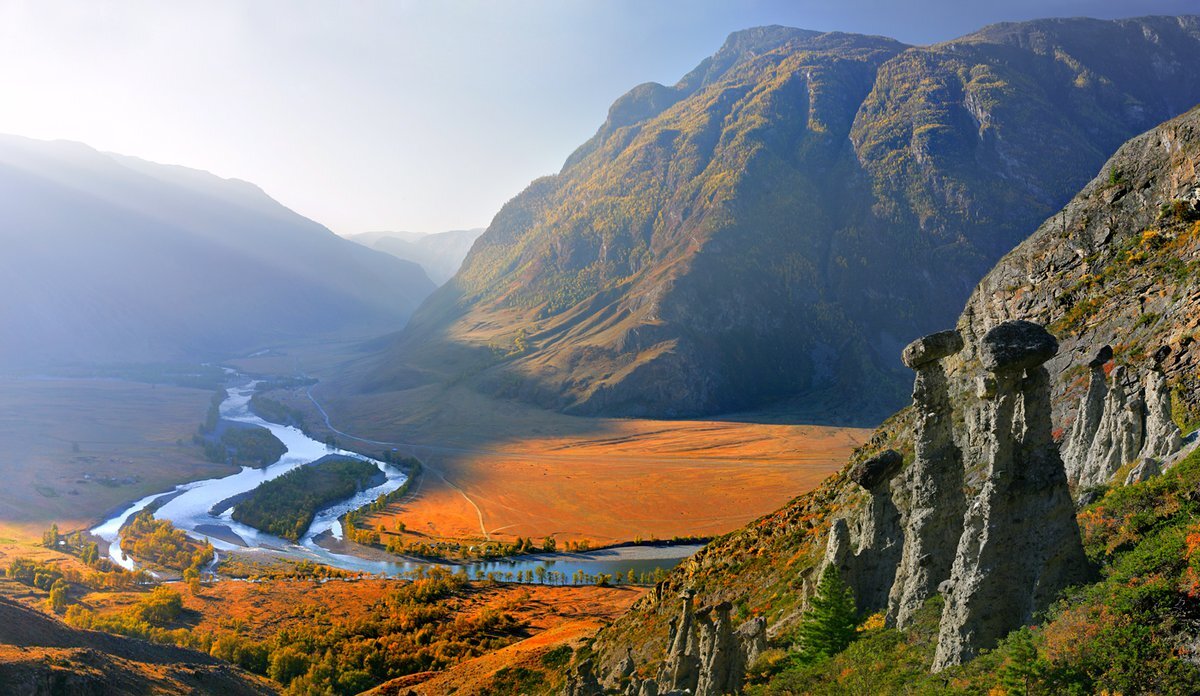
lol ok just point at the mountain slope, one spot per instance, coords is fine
(1118, 266)
(440, 254)
(780, 222)
(114, 259)
(40, 655)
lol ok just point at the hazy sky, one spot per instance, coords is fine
(420, 116)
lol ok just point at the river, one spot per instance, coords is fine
(189, 507)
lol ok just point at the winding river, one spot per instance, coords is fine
(190, 508)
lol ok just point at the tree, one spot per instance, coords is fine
(191, 576)
(50, 537)
(90, 553)
(549, 544)
(828, 625)
(1022, 671)
(58, 596)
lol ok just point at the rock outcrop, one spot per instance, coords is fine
(1145, 470)
(1163, 437)
(706, 656)
(866, 555)
(1078, 444)
(934, 482)
(1020, 544)
(998, 555)
(581, 681)
(1120, 420)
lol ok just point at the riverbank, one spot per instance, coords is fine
(191, 509)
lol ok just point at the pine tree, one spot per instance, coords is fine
(828, 625)
(1022, 670)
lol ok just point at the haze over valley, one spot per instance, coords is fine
(855, 350)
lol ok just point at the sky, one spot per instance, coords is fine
(420, 116)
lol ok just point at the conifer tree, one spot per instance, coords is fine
(1022, 670)
(828, 625)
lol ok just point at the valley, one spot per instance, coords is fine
(75, 449)
(842, 364)
(518, 471)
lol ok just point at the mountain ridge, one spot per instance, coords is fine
(110, 258)
(779, 223)
(1116, 275)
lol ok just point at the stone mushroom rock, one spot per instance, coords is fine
(1017, 345)
(1102, 356)
(933, 347)
(933, 484)
(720, 660)
(1020, 544)
(877, 470)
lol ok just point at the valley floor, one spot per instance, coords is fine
(73, 449)
(500, 470)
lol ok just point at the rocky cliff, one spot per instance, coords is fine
(782, 221)
(965, 503)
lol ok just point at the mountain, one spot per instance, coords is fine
(113, 259)
(967, 524)
(440, 254)
(779, 223)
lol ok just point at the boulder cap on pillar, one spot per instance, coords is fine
(1103, 355)
(1016, 345)
(870, 473)
(935, 346)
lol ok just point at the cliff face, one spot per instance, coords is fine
(782, 221)
(968, 494)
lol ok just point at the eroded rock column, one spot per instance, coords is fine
(1087, 422)
(1120, 435)
(1163, 437)
(683, 662)
(1020, 544)
(934, 481)
(868, 567)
